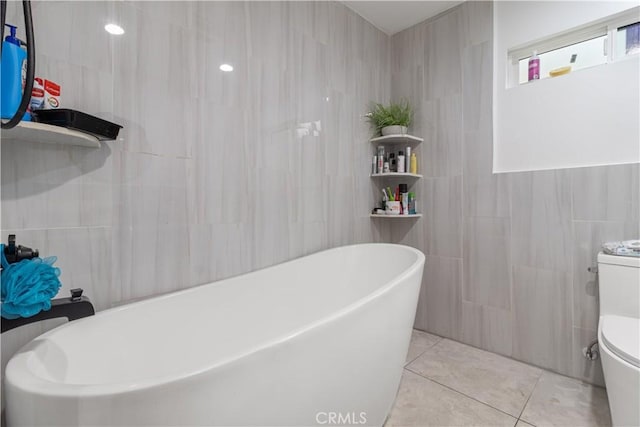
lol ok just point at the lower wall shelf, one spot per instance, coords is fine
(48, 134)
(395, 216)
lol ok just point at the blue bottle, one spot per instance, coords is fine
(13, 70)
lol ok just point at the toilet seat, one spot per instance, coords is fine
(621, 335)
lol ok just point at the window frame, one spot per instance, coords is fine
(607, 26)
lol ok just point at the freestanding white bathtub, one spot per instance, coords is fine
(320, 340)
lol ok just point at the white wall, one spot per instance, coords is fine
(587, 118)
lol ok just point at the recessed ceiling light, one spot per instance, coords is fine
(114, 29)
(226, 67)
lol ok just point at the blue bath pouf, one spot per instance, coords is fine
(27, 286)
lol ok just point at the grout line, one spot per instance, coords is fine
(423, 352)
(571, 273)
(604, 221)
(529, 398)
(414, 359)
(461, 393)
(78, 227)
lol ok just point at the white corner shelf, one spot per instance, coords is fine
(49, 134)
(396, 139)
(395, 216)
(395, 175)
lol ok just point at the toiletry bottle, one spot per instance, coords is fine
(534, 66)
(400, 162)
(374, 165)
(14, 71)
(414, 163)
(380, 158)
(407, 160)
(392, 163)
(412, 203)
(385, 168)
(404, 199)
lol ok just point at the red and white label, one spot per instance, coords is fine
(37, 94)
(51, 88)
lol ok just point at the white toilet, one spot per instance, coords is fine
(619, 335)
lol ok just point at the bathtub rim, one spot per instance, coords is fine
(34, 384)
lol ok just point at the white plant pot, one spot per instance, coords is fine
(394, 130)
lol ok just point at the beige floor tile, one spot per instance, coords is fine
(422, 402)
(495, 380)
(420, 341)
(523, 424)
(563, 401)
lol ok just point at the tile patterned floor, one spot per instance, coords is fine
(446, 383)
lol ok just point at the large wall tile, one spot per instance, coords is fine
(471, 324)
(497, 330)
(442, 156)
(55, 186)
(606, 193)
(477, 86)
(93, 48)
(150, 89)
(487, 327)
(477, 21)
(407, 85)
(542, 317)
(485, 193)
(443, 56)
(444, 216)
(218, 251)
(155, 260)
(541, 220)
(487, 262)
(152, 190)
(440, 294)
(408, 48)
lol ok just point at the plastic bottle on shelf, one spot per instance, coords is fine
(14, 71)
(412, 203)
(400, 162)
(414, 164)
(534, 66)
(404, 198)
(380, 158)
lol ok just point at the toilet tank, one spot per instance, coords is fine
(619, 285)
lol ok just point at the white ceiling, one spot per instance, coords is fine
(393, 16)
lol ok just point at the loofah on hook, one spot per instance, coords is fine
(28, 286)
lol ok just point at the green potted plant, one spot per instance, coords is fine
(393, 119)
